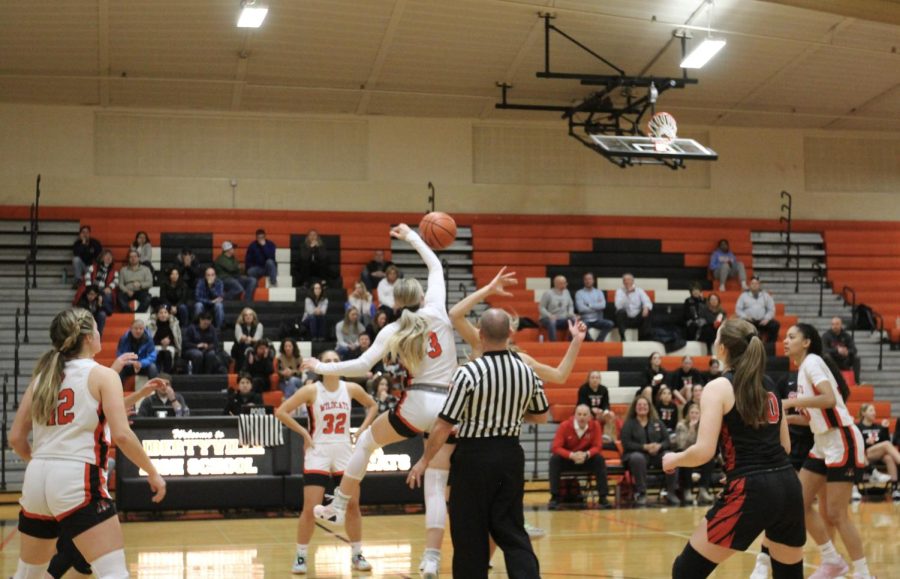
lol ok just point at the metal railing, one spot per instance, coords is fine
(821, 279)
(16, 363)
(4, 442)
(27, 297)
(879, 327)
(852, 303)
(797, 270)
(446, 267)
(786, 218)
(34, 225)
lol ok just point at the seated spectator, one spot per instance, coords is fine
(209, 296)
(633, 308)
(347, 333)
(141, 245)
(645, 439)
(654, 375)
(576, 447)
(85, 252)
(260, 259)
(292, 327)
(715, 370)
(383, 397)
(713, 315)
(176, 295)
(595, 396)
(166, 333)
(287, 365)
(138, 341)
(361, 299)
(228, 269)
(684, 378)
(200, 346)
(103, 276)
(691, 313)
(839, 344)
(666, 409)
(379, 368)
(316, 305)
(259, 363)
(385, 289)
(247, 332)
(692, 399)
(685, 436)
(589, 304)
(380, 320)
(189, 268)
(879, 449)
(757, 307)
(135, 281)
(723, 264)
(165, 397)
(92, 301)
(374, 271)
(244, 395)
(313, 260)
(556, 308)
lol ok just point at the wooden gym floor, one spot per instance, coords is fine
(621, 544)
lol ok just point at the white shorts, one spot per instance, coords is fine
(327, 459)
(54, 489)
(417, 411)
(840, 448)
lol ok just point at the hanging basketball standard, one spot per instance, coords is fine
(611, 127)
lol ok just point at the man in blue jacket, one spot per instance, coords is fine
(209, 295)
(260, 259)
(138, 340)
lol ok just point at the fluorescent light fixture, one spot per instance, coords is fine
(703, 53)
(252, 14)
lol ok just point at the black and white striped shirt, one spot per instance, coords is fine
(490, 395)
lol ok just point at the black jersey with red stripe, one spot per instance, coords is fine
(747, 449)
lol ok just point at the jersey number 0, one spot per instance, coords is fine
(64, 414)
(773, 411)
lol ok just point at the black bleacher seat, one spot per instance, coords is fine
(171, 245)
(679, 277)
(613, 245)
(205, 403)
(200, 382)
(271, 314)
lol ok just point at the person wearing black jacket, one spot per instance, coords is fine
(313, 263)
(176, 294)
(243, 396)
(85, 252)
(595, 396)
(200, 346)
(259, 364)
(684, 378)
(839, 344)
(189, 269)
(645, 439)
(693, 321)
(92, 301)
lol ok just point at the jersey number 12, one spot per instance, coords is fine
(64, 414)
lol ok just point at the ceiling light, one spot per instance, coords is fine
(703, 53)
(252, 14)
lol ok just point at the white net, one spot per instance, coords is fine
(663, 129)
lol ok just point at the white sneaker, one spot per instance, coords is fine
(688, 497)
(855, 495)
(534, 532)
(879, 478)
(299, 567)
(763, 567)
(895, 496)
(359, 563)
(721, 287)
(429, 568)
(330, 514)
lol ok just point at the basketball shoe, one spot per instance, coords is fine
(831, 570)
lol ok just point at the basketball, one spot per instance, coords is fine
(438, 230)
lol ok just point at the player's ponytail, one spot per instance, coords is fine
(408, 345)
(67, 332)
(815, 347)
(747, 357)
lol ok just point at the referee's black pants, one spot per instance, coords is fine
(488, 484)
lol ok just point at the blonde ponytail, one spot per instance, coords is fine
(409, 344)
(67, 332)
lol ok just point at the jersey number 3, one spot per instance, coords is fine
(434, 347)
(773, 411)
(64, 414)
(333, 426)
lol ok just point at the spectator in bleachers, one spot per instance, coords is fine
(247, 332)
(104, 277)
(590, 303)
(713, 314)
(361, 299)
(347, 333)
(176, 295)
(685, 436)
(287, 365)
(92, 300)
(316, 305)
(577, 447)
(839, 344)
(595, 396)
(313, 260)
(715, 370)
(385, 289)
(135, 281)
(380, 320)
(692, 399)
(85, 252)
(692, 313)
(374, 271)
(879, 448)
(141, 245)
(189, 268)
(684, 378)
(260, 259)
(365, 342)
(556, 307)
(244, 395)
(209, 296)
(645, 439)
(165, 397)
(667, 409)
(259, 363)
(633, 308)
(654, 374)
(757, 307)
(138, 341)
(292, 327)
(166, 333)
(228, 269)
(200, 344)
(723, 264)
(383, 397)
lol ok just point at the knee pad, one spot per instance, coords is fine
(435, 487)
(692, 565)
(28, 571)
(359, 461)
(111, 565)
(787, 571)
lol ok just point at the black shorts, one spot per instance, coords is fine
(87, 517)
(848, 474)
(322, 480)
(768, 501)
(838, 454)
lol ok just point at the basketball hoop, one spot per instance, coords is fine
(663, 129)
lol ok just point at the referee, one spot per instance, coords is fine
(489, 399)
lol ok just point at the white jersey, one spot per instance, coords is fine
(440, 361)
(814, 371)
(77, 430)
(329, 415)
